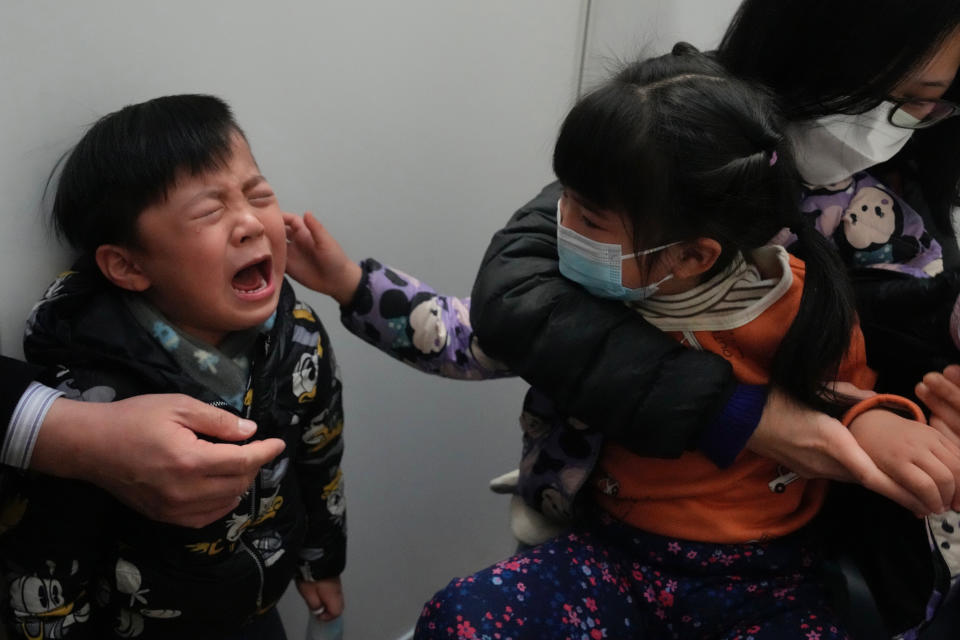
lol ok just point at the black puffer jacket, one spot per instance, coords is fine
(81, 563)
(597, 359)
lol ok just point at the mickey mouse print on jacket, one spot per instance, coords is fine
(81, 565)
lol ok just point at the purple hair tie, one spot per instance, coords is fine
(773, 158)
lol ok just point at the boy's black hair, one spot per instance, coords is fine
(845, 56)
(129, 159)
(688, 151)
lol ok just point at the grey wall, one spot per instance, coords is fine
(619, 30)
(413, 129)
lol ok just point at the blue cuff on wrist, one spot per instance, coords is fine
(725, 437)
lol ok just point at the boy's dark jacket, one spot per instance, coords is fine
(158, 580)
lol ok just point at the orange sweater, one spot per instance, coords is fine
(693, 499)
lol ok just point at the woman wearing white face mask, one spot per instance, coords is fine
(850, 71)
(875, 140)
(832, 148)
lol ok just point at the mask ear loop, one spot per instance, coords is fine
(659, 282)
(646, 252)
(654, 286)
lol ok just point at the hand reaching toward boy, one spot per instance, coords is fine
(324, 597)
(917, 456)
(316, 260)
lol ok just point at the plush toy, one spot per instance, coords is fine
(871, 231)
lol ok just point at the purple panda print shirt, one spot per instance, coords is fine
(873, 227)
(408, 320)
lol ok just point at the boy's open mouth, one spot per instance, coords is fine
(253, 278)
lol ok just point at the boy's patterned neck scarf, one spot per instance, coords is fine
(223, 369)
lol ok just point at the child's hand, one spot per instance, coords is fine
(941, 393)
(316, 260)
(324, 597)
(915, 455)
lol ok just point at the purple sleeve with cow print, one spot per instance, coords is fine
(408, 320)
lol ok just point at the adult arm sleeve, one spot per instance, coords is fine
(23, 407)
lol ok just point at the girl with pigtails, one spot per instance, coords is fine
(869, 96)
(674, 177)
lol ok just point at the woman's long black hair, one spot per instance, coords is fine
(688, 151)
(846, 56)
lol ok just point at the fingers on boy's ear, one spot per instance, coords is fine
(314, 225)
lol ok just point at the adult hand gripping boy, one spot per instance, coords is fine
(145, 451)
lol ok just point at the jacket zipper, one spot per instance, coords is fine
(254, 513)
(258, 561)
(254, 490)
(254, 493)
(254, 508)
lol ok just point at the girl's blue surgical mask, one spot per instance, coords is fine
(597, 265)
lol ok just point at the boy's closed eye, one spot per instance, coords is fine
(262, 196)
(207, 211)
(258, 190)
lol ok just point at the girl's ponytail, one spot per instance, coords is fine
(810, 353)
(809, 356)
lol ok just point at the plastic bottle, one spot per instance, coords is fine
(332, 630)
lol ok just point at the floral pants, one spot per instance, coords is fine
(613, 581)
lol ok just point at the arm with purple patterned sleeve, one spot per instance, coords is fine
(394, 312)
(408, 320)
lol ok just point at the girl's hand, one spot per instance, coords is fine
(941, 393)
(915, 455)
(324, 597)
(316, 260)
(814, 445)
